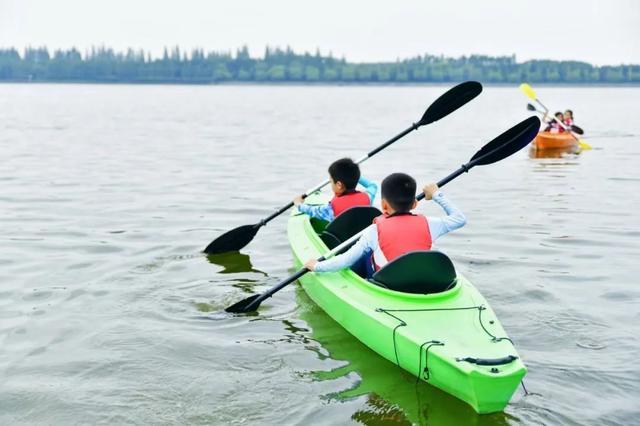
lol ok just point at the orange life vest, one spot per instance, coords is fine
(399, 234)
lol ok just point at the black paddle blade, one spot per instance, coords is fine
(244, 305)
(509, 142)
(531, 107)
(577, 129)
(233, 240)
(450, 101)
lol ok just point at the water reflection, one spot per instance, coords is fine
(553, 153)
(238, 272)
(233, 263)
(392, 394)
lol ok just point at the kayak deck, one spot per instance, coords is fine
(428, 335)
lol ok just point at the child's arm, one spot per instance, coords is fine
(369, 187)
(455, 218)
(366, 244)
(324, 212)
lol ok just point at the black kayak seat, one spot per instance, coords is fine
(348, 224)
(419, 272)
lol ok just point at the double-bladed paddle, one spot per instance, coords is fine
(499, 148)
(575, 129)
(450, 101)
(531, 94)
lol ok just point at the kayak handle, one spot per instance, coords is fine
(489, 361)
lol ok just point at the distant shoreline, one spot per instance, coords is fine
(102, 65)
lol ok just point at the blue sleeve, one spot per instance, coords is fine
(365, 245)
(324, 212)
(369, 187)
(455, 218)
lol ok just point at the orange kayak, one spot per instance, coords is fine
(547, 140)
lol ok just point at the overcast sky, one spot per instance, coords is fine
(596, 31)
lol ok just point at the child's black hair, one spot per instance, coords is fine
(346, 171)
(399, 190)
(570, 112)
(559, 112)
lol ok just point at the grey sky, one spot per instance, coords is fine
(601, 32)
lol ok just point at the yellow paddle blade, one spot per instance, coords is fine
(527, 90)
(583, 145)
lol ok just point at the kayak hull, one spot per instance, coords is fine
(554, 141)
(552, 153)
(427, 335)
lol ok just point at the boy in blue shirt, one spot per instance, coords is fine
(344, 176)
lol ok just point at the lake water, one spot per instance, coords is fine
(110, 314)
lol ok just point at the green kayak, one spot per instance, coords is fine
(452, 339)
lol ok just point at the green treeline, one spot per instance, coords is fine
(283, 65)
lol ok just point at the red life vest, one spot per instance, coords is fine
(556, 127)
(400, 234)
(345, 201)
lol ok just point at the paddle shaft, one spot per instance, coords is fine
(463, 169)
(301, 272)
(481, 157)
(370, 154)
(567, 129)
(542, 105)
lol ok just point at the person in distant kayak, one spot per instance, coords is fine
(344, 175)
(397, 231)
(568, 118)
(553, 125)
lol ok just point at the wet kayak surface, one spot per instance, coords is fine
(109, 312)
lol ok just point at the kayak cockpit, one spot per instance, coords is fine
(419, 272)
(348, 224)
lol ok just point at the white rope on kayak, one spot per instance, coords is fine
(402, 323)
(480, 308)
